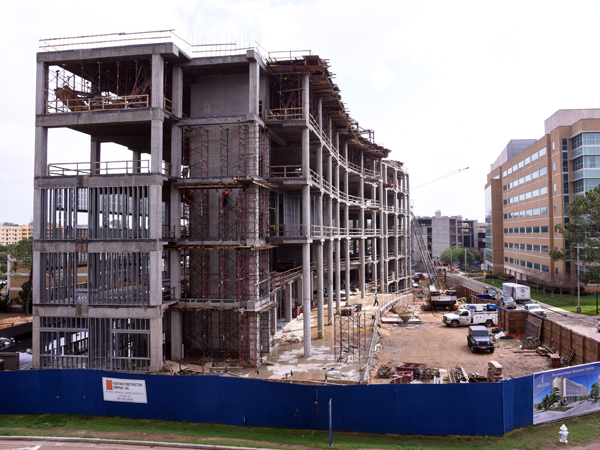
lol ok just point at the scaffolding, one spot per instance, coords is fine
(350, 336)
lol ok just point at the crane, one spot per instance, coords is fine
(439, 178)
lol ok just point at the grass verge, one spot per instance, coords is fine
(583, 431)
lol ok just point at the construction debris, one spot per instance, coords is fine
(458, 375)
(494, 371)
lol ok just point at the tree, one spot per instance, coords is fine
(23, 253)
(456, 255)
(583, 231)
(595, 392)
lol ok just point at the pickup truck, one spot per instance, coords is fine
(478, 338)
(468, 317)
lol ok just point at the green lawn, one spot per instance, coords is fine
(583, 431)
(588, 302)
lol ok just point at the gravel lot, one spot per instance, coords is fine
(442, 347)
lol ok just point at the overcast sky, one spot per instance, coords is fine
(444, 84)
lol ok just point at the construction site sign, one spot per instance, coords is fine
(567, 392)
(121, 390)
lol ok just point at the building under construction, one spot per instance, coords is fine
(245, 190)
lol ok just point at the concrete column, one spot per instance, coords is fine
(156, 146)
(177, 91)
(320, 196)
(41, 81)
(338, 274)
(306, 95)
(374, 252)
(136, 156)
(156, 343)
(329, 281)
(95, 154)
(347, 268)
(176, 334)
(35, 341)
(306, 188)
(362, 225)
(158, 81)
(254, 83)
(288, 302)
(362, 268)
(320, 320)
(306, 295)
(383, 219)
(320, 115)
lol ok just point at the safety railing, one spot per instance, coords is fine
(285, 172)
(372, 231)
(354, 167)
(355, 231)
(371, 203)
(98, 168)
(314, 123)
(315, 177)
(284, 114)
(297, 230)
(354, 199)
(372, 173)
(325, 137)
(168, 231)
(87, 104)
(168, 105)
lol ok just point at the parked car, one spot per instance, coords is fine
(508, 302)
(467, 316)
(478, 338)
(535, 309)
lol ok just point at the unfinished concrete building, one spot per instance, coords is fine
(244, 189)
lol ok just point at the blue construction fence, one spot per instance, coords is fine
(411, 409)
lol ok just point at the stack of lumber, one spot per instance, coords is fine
(494, 371)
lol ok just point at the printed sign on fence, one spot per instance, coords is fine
(121, 390)
(567, 392)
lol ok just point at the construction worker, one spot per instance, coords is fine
(225, 198)
(376, 300)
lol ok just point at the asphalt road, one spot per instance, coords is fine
(47, 443)
(582, 324)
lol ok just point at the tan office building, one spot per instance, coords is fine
(12, 234)
(528, 187)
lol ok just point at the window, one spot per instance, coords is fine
(536, 266)
(527, 195)
(527, 160)
(542, 152)
(528, 230)
(553, 167)
(545, 249)
(554, 187)
(555, 208)
(506, 245)
(536, 193)
(552, 145)
(536, 248)
(544, 210)
(504, 173)
(529, 247)
(543, 171)
(522, 230)
(521, 197)
(527, 178)
(521, 164)
(529, 265)
(535, 174)
(522, 247)
(544, 190)
(536, 230)
(545, 269)
(536, 211)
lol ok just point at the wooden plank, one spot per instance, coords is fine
(577, 347)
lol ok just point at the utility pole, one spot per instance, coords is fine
(578, 288)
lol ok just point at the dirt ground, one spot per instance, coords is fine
(442, 347)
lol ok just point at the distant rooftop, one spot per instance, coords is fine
(568, 117)
(513, 148)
